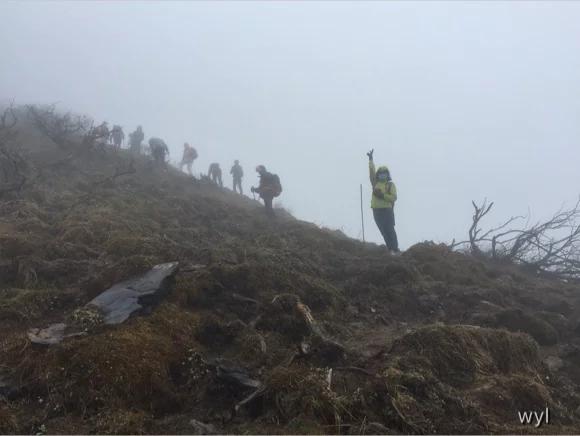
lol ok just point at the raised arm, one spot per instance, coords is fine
(372, 171)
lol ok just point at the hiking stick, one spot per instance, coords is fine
(362, 221)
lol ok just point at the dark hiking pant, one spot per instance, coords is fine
(238, 183)
(159, 158)
(135, 148)
(268, 204)
(217, 179)
(385, 219)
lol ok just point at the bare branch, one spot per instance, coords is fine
(550, 247)
(8, 119)
(61, 128)
(13, 167)
(478, 214)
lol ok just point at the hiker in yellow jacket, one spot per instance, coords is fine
(383, 202)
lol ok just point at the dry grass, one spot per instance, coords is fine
(442, 378)
(70, 237)
(8, 420)
(32, 304)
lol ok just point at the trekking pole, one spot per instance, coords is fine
(362, 221)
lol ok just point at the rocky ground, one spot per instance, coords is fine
(269, 326)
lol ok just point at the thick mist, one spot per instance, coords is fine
(462, 100)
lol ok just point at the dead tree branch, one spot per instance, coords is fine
(13, 166)
(8, 121)
(96, 138)
(551, 247)
(61, 128)
(478, 214)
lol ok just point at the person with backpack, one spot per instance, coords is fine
(237, 173)
(135, 140)
(117, 136)
(269, 188)
(158, 150)
(215, 174)
(383, 203)
(189, 155)
(101, 133)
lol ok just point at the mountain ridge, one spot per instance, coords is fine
(335, 335)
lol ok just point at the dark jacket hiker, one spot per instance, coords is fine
(135, 140)
(268, 188)
(237, 173)
(215, 174)
(158, 150)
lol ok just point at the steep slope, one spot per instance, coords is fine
(272, 326)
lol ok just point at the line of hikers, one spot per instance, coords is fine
(116, 136)
(268, 188)
(384, 191)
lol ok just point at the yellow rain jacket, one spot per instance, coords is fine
(387, 188)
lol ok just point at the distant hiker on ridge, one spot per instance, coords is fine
(237, 173)
(101, 133)
(135, 140)
(189, 155)
(215, 174)
(117, 136)
(383, 203)
(269, 188)
(158, 150)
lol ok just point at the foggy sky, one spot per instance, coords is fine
(462, 100)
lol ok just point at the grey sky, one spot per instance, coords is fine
(461, 100)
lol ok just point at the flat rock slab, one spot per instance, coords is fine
(51, 335)
(116, 304)
(120, 301)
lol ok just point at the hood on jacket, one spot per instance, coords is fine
(383, 169)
